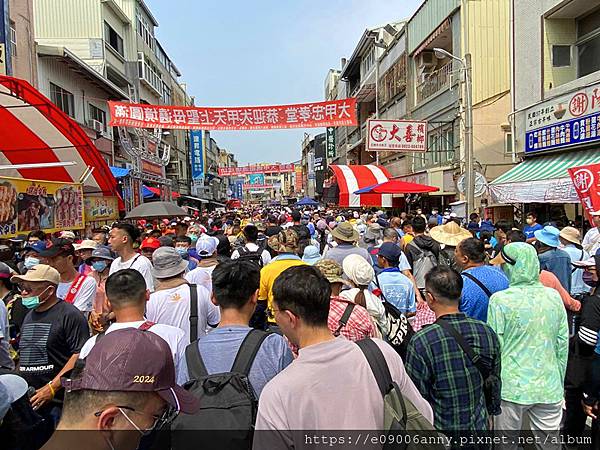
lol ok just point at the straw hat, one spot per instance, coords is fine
(449, 234)
(571, 234)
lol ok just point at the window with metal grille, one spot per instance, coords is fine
(63, 99)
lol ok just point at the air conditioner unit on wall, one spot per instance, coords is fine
(426, 59)
(96, 125)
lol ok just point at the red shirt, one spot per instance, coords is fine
(359, 326)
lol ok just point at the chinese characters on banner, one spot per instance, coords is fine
(39, 205)
(397, 135)
(306, 115)
(587, 183)
(197, 154)
(330, 142)
(247, 170)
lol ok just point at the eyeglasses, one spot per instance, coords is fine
(167, 416)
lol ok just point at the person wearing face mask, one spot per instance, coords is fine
(531, 227)
(182, 246)
(100, 261)
(31, 255)
(105, 399)
(52, 335)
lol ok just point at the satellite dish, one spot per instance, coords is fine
(480, 184)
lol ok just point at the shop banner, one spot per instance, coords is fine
(397, 135)
(101, 208)
(27, 205)
(586, 180)
(238, 191)
(305, 115)
(246, 170)
(330, 142)
(196, 154)
(260, 186)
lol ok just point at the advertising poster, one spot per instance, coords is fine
(27, 205)
(256, 178)
(196, 154)
(101, 208)
(586, 180)
(397, 135)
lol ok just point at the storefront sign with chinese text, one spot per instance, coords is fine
(305, 115)
(101, 208)
(397, 135)
(39, 205)
(196, 154)
(330, 142)
(564, 121)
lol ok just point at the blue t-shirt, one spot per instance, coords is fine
(397, 289)
(219, 349)
(474, 301)
(530, 230)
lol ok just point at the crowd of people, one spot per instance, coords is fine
(268, 321)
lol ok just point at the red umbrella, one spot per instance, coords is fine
(397, 187)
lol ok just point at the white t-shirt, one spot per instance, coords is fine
(172, 336)
(201, 276)
(172, 307)
(139, 263)
(84, 300)
(265, 256)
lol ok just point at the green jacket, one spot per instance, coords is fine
(531, 323)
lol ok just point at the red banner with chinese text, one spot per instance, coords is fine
(247, 170)
(587, 183)
(306, 115)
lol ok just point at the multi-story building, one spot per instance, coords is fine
(116, 40)
(21, 40)
(556, 103)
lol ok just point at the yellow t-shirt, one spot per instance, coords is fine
(269, 274)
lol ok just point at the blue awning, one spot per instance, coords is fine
(147, 193)
(119, 172)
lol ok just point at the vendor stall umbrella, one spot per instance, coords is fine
(397, 187)
(156, 210)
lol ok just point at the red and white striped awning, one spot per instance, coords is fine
(352, 178)
(34, 130)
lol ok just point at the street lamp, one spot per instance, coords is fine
(469, 171)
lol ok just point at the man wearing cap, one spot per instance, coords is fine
(571, 243)
(67, 235)
(345, 237)
(358, 325)
(551, 257)
(149, 246)
(395, 287)
(120, 389)
(52, 336)
(31, 255)
(285, 245)
(126, 297)
(74, 287)
(591, 240)
(121, 239)
(531, 324)
(206, 250)
(170, 303)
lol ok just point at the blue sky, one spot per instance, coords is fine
(262, 52)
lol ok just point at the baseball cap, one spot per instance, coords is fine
(67, 235)
(206, 245)
(101, 252)
(38, 247)
(58, 246)
(41, 272)
(167, 263)
(120, 362)
(390, 251)
(86, 244)
(150, 243)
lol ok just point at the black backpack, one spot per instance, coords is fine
(248, 255)
(228, 403)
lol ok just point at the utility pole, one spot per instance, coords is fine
(469, 170)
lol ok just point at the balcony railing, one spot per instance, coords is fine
(437, 81)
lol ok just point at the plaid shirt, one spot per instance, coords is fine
(359, 324)
(445, 375)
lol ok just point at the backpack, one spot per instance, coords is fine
(399, 414)
(228, 401)
(252, 256)
(399, 331)
(425, 261)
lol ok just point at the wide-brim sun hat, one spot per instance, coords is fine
(548, 236)
(450, 234)
(571, 234)
(345, 232)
